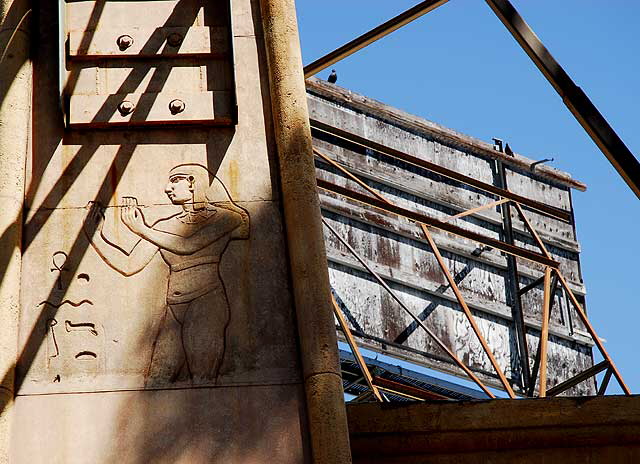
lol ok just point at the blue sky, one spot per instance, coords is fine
(458, 66)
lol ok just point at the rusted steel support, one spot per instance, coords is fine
(451, 174)
(468, 212)
(467, 311)
(435, 338)
(408, 391)
(531, 386)
(573, 97)
(576, 304)
(532, 231)
(354, 349)
(417, 217)
(362, 184)
(351, 176)
(544, 333)
(514, 281)
(374, 34)
(531, 286)
(592, 332)
(576, 379)
(605, 383)
(445, 270)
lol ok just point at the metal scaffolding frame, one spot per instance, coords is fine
(550, 280)
(594, 124)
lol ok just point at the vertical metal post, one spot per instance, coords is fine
(544, 333)
(514, 283)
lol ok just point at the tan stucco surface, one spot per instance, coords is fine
(194, 358)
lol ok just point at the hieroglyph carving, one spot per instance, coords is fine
(190, 342)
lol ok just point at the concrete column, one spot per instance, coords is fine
(307, 255)
(15, 117)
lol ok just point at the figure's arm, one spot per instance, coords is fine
(225, 221)
(125, 263)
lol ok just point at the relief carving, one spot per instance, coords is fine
(190, 341)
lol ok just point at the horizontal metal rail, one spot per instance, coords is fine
(445, 226)
(451, 174)
(374, 34)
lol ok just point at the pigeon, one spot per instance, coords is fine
(508, 150)
(333, 77)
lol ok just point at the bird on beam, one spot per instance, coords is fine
(333, 77)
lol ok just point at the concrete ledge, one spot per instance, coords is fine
(585, 429)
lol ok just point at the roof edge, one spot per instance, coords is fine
(401, 118)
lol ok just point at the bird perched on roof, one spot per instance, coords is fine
(508, 150)
(333, 77)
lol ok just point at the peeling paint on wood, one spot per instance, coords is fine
(397, 250)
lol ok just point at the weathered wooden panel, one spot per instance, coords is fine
(397, 250)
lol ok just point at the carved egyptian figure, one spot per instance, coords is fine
(191, 338)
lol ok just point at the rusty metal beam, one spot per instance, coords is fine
(408, 391)
(578, 308)
(592, 332)
(451, 174)
(466, 310)
(514, 281)
(531, 386)
(429, 332)
(354, 349)
(544, 332)
(374, 34)
(531, 286)
(605, 383)
(575, 380)
(573, 97)
(417, 217)
(477, 209)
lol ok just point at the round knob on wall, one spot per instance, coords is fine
(176, 106)
(124, 42)
(126, 107)
(174, 39)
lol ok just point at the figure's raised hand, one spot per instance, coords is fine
(132, 216)
(94, 219)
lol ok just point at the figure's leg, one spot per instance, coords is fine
(168, 360)
(204, 334)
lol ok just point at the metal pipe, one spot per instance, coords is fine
(369, 37)
(573, 97)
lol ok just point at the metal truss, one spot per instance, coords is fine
(551, 278)
(573, 97)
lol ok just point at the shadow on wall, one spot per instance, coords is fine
(196, 408)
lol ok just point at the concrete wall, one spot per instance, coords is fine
(397, 250)
(546, 430)
(156, 315)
